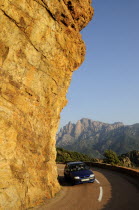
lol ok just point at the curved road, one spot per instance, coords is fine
(110, 191)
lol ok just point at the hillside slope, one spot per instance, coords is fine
(93, 137)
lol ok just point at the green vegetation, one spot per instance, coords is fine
(65, 155)
(130, 159)
(111, 157)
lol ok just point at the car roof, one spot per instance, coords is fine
(73, 163)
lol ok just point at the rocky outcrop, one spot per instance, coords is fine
(40, 47)
(130, 159)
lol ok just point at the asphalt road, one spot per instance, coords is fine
(110, 191)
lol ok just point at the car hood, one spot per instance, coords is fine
(81, 173)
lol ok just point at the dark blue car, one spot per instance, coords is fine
(78, 172)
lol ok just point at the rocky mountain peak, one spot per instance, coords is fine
(93, 137)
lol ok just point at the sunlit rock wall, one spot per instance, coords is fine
(40, 47)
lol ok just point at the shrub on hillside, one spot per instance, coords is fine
(65, 156)
(111, 157)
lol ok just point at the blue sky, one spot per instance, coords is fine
(106, 86)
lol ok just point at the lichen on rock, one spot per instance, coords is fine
(40, 47)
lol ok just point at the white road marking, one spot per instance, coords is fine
(97, 181)
(101, 191)
(100, 194)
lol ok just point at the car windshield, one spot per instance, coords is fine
(78, 167)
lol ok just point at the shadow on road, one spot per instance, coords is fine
(64, 182)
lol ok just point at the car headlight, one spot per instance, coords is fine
(92, 175)
(76, 177)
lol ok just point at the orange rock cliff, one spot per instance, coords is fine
(40, 47)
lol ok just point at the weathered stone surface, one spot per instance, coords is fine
(40, 47)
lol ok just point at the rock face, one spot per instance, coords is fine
(40, 47)
(131, 158)
(93, 137)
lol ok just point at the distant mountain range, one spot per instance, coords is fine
(93, 137)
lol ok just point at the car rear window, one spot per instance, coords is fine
(78, 167)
